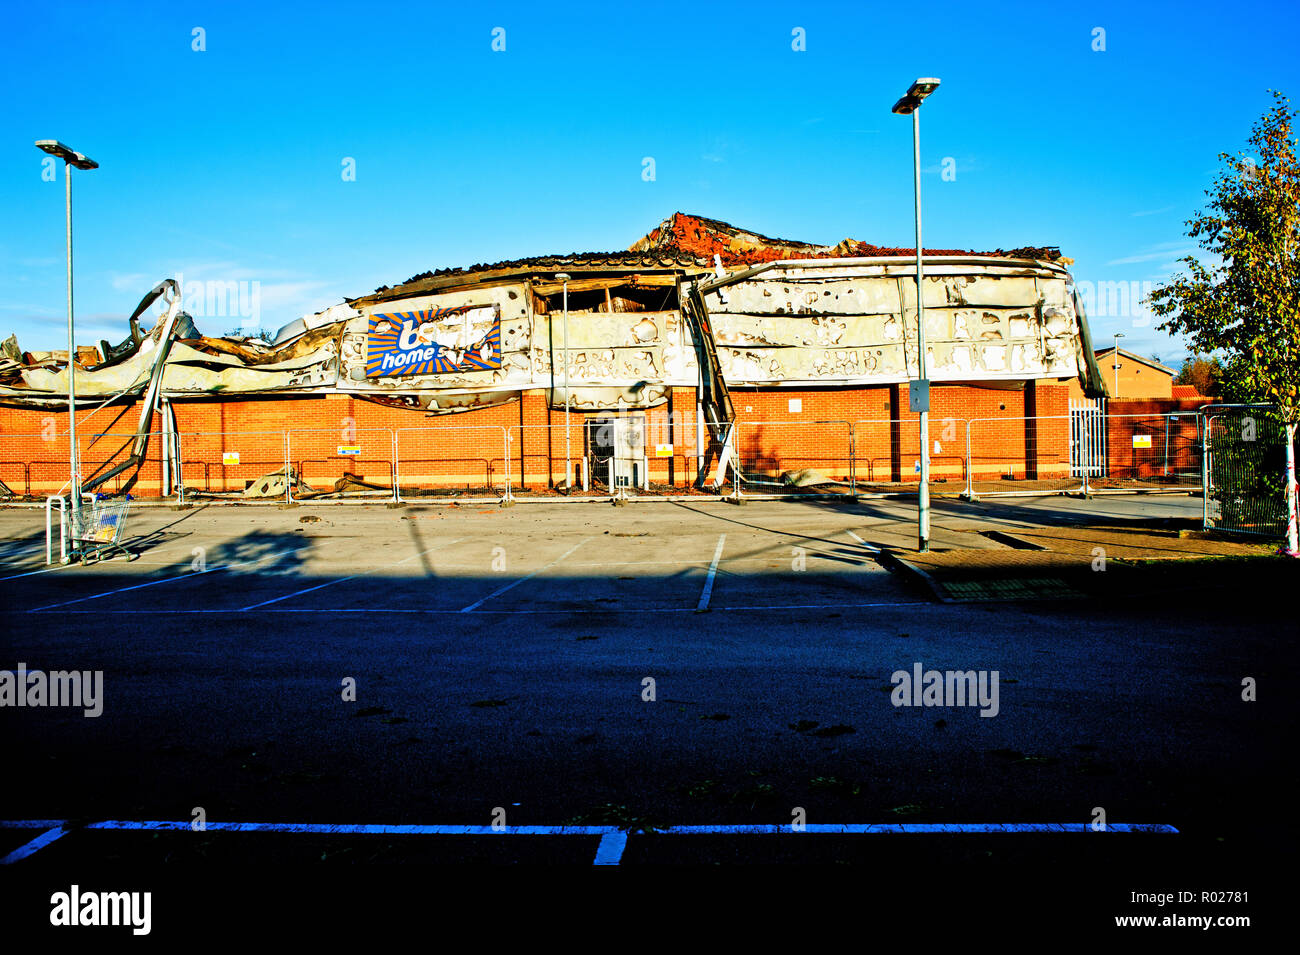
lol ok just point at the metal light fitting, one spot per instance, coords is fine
(915, 94)
(67, 154)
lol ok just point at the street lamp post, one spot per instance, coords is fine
(919, 392)
(70, 158)
(1115, 358)
(568, 461)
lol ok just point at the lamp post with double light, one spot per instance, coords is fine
(568, 460)
(70, 159)
(918, 391)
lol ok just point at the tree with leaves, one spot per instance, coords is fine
(1243, 303)
(1202, 372)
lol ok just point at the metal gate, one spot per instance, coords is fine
(1087, 439)
(616, 451)
(1244, 472)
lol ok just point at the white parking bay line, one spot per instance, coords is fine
(36, 845)
(713, 572)
(339, 580)
(871, 547)
(168, 580)
(515, 583)
(535, 611)
(610, 850)
(30, 573)
(613, 841)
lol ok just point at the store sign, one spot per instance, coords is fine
(434, 341)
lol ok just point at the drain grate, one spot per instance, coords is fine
(1015, 588)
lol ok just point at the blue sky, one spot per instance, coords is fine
(226, 164)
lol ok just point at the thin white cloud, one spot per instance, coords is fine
(1153, 256)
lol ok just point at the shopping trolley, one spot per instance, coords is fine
(97, 529)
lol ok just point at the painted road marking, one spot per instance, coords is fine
(44, 570)
(613, 840)
(339, 580)
(713, 572)
(500, 590)
(403, 829)
(871, 547)
(610, 850)
(168, 580)
(581, 610)
(36, 845)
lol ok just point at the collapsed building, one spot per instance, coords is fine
(715, 351)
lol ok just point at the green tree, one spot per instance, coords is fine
(1244, 302)
(1202, 372)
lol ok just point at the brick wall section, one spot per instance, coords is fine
(1150, 418)
(469, 451)
(34, 448)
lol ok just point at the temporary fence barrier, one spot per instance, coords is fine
(1152, 451)
(615, 455)
(230, 463)
(887, 453)
(1244, 471)
(101, 452)
(34, 465)
(449, 461)
(1019, 455)
(641, 454)
(794, 457)
(350, 462)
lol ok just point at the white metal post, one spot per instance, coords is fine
(568, 457)
(1205, 473)
(72, 353)
(1292, 532)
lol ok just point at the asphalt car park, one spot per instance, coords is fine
(640, 670)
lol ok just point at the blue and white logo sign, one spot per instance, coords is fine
(434, 341)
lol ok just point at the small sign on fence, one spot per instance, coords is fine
(229, 458)
(1141, 440)
(663, 450)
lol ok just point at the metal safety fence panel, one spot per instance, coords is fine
(1150, 451)
(1022, 455)
(1244, 472)
(341, 463)
(887, 454)
(215, 464)
(639, 454)
(794, 457)
(101, 452)
(452, 462)
(34, 465)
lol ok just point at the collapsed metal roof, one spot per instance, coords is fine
(681, 243)
(852, 329)
(698, 236)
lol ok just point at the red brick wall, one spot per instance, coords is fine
(1175, 442)
(468, 450)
